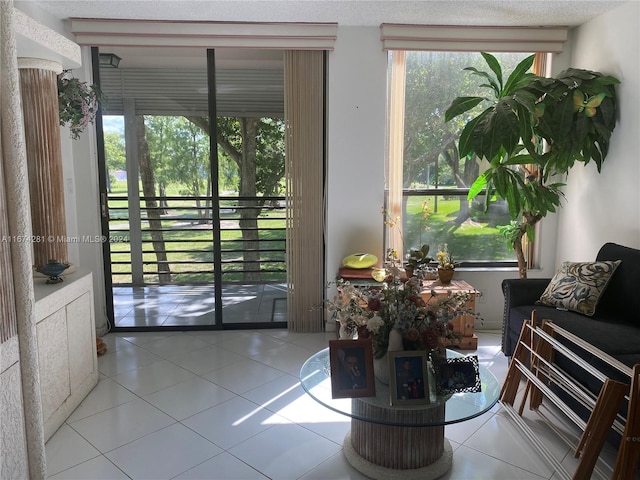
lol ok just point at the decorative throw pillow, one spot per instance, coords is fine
(578, 286)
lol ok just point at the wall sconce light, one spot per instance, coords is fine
(109, 60)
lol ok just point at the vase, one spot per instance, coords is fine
(381, 368)
(381, 365)
(445, 275)
(343, 333)
(395, 341)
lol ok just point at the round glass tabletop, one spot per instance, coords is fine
(315, 378)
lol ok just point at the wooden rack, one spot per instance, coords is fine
(533, 361)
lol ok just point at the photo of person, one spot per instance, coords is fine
(352, 374)
(409, 383)
(458, 375)
(351, 363)
(409, 378)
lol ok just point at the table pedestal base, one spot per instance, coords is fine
(430, 472)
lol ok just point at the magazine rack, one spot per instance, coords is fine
(547, 383)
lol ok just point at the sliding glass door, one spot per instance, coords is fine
(193, 208)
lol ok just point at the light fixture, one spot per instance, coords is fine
(109, 60)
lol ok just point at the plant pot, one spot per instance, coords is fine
(343, 333)
(445, 275)
(381, 369)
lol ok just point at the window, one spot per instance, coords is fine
(427, 181)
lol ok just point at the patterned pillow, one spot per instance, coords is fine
(578, 286)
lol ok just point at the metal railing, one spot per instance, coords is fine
(171, 240)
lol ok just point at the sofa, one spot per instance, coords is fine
(614, 327)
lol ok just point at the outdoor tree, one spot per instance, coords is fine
(115, 156)
(148, 190)
(256, 146)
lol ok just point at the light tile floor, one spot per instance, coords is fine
(228, 405)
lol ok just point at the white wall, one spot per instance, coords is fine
(598, 207)
(356, 145)
(86, 202)
(606, 207)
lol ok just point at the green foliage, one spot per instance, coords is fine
(77, 103)
(430, 147)
(418, 257)
(269, 162)
(574, 114)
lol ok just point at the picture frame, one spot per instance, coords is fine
(351, 367)
(409, 379)
(458, 375)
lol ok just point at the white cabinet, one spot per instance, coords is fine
(65, 330)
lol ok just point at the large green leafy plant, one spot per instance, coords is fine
(532, 131)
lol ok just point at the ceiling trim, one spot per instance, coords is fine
(155, 33)
(474, 38)
(35, 40)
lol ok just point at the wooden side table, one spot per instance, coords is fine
(462, 324)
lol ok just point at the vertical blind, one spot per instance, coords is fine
(304, 171)
(396, 148)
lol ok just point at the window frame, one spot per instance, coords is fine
(395, 192)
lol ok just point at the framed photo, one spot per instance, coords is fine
(458, 375)
(409, 382)
(351, 364)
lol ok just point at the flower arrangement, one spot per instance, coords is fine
(77, 103)
(444, 258)
(397, 305)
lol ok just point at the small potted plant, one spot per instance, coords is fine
(446, 265)
(417, 258)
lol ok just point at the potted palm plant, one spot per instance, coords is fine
(532, 131)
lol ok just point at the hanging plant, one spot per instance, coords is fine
(77, 103)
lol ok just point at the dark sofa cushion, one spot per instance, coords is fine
(606, 333)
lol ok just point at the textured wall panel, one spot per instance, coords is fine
(81, 338)
(54, 361)
(13, 446)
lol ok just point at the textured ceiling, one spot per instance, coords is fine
(347, 12)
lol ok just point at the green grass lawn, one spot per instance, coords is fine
(189, 240)
(476, 239)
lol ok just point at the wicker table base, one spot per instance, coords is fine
(380, 449)
(379, 472)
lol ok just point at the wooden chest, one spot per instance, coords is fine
(462, 324)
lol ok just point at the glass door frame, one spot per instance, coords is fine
(215, 209)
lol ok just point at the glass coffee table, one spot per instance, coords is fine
(398, 442)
